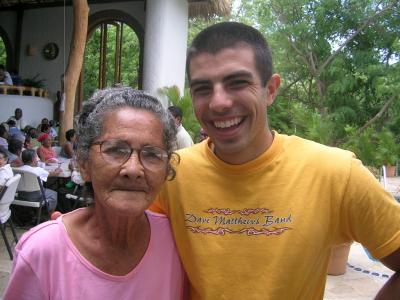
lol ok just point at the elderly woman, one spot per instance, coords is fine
(46, 152)
(115, 248)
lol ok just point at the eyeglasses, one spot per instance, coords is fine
(118, 152)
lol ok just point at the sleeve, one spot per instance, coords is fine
(3, 177)
(7, 79)
(43, 174)
(370, 215)
(23, 283)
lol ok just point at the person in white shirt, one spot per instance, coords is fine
(3, 137)
(30, 160)
(17, 117)
(5, 170)
(5, 77)
(183, 138)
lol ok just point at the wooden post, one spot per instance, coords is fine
(75, 62)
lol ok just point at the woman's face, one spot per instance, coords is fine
(126, 188)
(47, 142)
(28, 144)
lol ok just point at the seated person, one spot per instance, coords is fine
(27, 143)
(3, 137)
(14, 152)
(67, 149)
(30, 160)
(17, 117)
(32, 132)
(5, 77)
(5, 169)
(12, 128)
(46, 152)
(44, 123)
(52, 129)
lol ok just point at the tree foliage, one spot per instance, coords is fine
(129, 70)
(3, 52)
(339, 61)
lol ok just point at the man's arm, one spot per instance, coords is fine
(391, 289)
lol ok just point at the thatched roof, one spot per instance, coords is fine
(197, 8)
(209, 8)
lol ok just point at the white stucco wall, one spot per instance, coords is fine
(34, 109)
(165, 23)
(44, 25)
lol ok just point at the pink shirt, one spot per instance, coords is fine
(48, 266)
(48, 153)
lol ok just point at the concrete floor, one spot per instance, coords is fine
(362, 280)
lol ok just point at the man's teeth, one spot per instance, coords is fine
(227, 123)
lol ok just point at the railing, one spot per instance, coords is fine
(23, 90)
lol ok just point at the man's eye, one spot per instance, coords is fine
(201, 90)
(237, 84)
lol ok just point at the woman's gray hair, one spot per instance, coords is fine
(90, 121)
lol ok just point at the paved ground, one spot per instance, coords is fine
(363, 278)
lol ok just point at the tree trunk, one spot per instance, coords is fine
(75, 61)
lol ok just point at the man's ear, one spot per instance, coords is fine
(272, 88)
(85, 172)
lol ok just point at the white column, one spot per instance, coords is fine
(165, 45)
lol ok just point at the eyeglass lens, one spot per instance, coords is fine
(118, 152)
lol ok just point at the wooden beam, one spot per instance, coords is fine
(75, 62)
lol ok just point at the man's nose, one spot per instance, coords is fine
(220, 99)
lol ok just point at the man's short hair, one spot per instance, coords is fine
(228, 35)
(176, 111)
(28, 155)
(15, 146)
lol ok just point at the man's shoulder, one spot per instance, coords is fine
(302, 145)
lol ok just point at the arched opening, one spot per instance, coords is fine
(113, 53)
(3, 52)
(6, 55)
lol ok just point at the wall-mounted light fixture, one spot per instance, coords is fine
(31, 50)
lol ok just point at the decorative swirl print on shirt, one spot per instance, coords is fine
(247, 221)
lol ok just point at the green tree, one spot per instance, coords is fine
(339, 62)
(3, 53)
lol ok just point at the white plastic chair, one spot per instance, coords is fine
(30, 183)
(6, 198)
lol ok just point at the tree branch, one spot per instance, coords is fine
(384, 108)
(351, 37)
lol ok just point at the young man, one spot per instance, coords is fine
(183, 138)
(255, 213)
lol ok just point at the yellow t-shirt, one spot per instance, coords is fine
(264, 229)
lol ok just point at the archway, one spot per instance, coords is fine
(113, 54)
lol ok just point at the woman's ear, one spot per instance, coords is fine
(85, 171)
